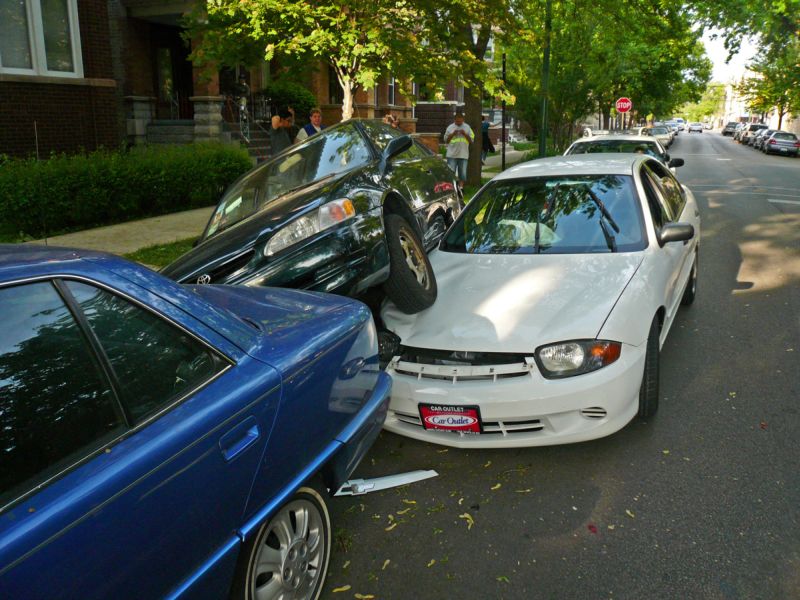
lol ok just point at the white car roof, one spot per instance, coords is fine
(576, 164)
(619, 136)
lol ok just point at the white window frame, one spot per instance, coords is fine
(33, 11)
(391, 91)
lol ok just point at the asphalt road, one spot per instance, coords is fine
(702, 501)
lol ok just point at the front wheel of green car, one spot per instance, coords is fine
(411, 284)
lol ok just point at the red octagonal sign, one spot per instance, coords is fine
(623, 105)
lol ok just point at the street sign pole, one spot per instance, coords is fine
(503, 119)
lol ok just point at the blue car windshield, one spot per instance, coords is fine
(551, 215)
(336, 150)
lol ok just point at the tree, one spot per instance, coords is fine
(359, 40)
(776, 82)
(709, 105)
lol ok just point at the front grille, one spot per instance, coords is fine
(504, 428)
(231, 266)
(428, 356)
(455, 366)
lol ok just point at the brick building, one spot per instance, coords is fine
(57, 88)
(84, 74)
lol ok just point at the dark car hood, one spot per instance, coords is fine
(275, 313)
(233, 248)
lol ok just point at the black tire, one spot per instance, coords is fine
(410, 290)
(648, 392)
(691, 286)
(304, 564)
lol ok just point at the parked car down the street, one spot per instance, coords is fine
(624, 144)
(730, 128)
(748, 132)
(351, 208)
(662, 133)
(781, 142)
(759, 138)
(162, 441)
(559, 283)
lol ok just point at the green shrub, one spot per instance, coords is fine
(68, 193)
(287, 93)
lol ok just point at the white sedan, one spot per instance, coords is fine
(698, 127)
(558, 284)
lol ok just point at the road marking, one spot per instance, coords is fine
(724, 159)
(783, 201)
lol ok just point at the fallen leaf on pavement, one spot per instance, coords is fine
(344, 588)
(525, 491)
(612, 527)
(469, 519)
(409, 501)
(363, 596)
(385, 564)
(346, 564)
(488, 463)
(592, 527)
(665, 452)
(502, 578)
(390, 527)
(404, 511)
(442, 451)
(763, 425)
(496, 486)
(630, 514)
(433, 562)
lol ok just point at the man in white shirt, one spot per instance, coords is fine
(458, 137)
(314, 126)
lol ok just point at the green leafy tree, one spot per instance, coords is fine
(776, 82)
(359, 40)
(709, 105)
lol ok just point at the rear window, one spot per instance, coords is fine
(551, 215)
(603, 146)
(756, 127)
(785, 136)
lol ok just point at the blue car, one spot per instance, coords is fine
(164, 441)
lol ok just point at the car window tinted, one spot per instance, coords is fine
(336, 150)
(503, 218)
(656, 199)
(671, 188)
(381, 134)
(154, 361)
(55, 404)
(784, 136)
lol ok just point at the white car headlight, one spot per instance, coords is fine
(304, 227)
(576, 357)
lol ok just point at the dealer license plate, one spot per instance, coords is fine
(447, 417)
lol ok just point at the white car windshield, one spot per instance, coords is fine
(551, 215)
(335, 151)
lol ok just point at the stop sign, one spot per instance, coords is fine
(623, 105)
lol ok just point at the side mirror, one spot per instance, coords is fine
(675, 162)
(675, 232)
(397, 146)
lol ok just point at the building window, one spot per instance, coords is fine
(40, 37)
(390, 91)
(334, 89)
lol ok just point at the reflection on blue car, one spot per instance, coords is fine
(159, 440)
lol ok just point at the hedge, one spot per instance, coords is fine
(68, 193)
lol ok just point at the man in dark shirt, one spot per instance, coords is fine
(280, 133)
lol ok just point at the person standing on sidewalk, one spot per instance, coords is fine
(314, 125)
(458, 137)
(486, 142)
(281, 135)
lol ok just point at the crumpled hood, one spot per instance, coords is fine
(515, 303)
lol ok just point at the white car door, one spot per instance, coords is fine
(667, 204)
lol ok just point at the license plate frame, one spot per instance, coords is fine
(453, 418)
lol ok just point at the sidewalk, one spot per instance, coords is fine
(134, 235)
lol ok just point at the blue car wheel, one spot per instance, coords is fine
(288, 558)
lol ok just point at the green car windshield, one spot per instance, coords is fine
(336, 151)
(551, 215)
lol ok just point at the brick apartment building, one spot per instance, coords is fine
(57, 88)
(84, 74)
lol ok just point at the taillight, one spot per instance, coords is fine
(773, 142)
(797, 144)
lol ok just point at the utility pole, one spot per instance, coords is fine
(545, 78)
(503, 119)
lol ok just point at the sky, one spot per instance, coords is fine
(723, 72)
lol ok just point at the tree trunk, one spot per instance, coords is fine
(472, 115)
(347, 102)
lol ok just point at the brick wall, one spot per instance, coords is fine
(95, 38)
(68, 118)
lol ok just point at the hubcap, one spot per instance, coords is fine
(413, 259)
(290, 555)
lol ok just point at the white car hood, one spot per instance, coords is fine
(515, 303)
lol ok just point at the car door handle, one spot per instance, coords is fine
(239, 439)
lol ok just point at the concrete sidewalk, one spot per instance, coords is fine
(493, 161)
(134, 235)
